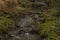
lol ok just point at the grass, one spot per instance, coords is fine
(51, 30)
(5, 23)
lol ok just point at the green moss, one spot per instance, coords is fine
(5, 23)
(21, 9)
(49, 28)
(57, 25)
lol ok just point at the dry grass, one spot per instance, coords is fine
(8, 5)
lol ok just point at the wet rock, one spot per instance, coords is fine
(25, 29)
(32, 0)
(24, 33)
(25, 36)
(24, 21)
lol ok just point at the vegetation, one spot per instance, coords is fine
(5, 23)
(48, 11)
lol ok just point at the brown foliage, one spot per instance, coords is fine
(8, 5)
